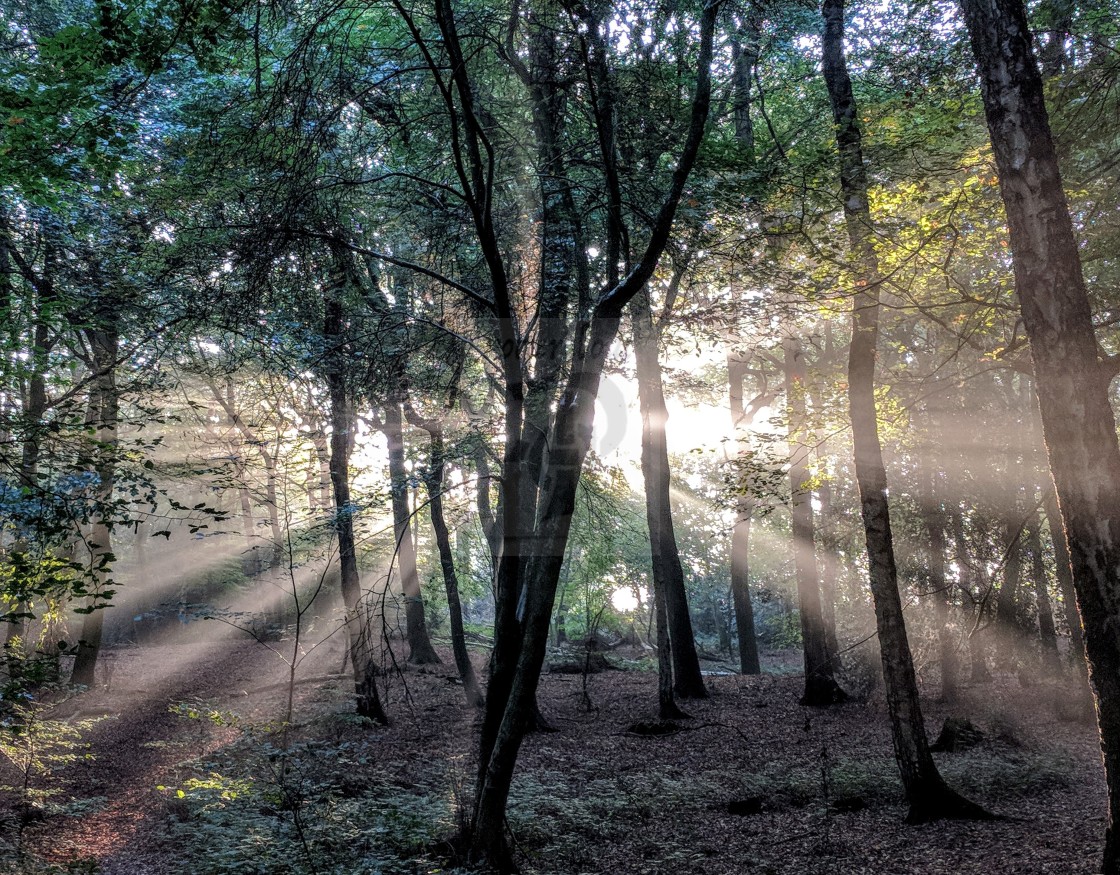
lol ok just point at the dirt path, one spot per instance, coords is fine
(139, 744)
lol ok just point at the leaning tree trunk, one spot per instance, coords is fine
(668, 574)
(104, 405)
(927, 793)
(821, 687)
(420, 650)
(1079, 425)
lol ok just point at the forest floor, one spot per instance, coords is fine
(192, 772)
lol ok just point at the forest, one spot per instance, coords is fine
(559, 436)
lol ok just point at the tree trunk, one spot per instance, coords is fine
(1079, 425)
(668, 573)
(939, 589)
(1051, 663)
(420, 650)
(358, 623)
(820, 684)
(520, 648)
(926, 792)
(104, 405)
(1007, 602)
(1078, 422)
(31, 427)
(666, 703)
(977, 658)
(434, 482)
(830, 567)
(741, 537)
(1064, 574)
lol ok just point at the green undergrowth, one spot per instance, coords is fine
(311, 803)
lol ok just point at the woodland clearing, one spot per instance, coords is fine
(753, 782)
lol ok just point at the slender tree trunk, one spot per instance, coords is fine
(939, 589)
(359, 633)
(1007, 601)
(358, 626)
(105, 400)
(420, 650)
(1065, 583)
(741, 538)
(927, 793)
(517, 661)
(31, 427)
(977, 658)
(821, 687)
(668, 573)
(1078, 422)
(434, 480)
(1051, 663)
(744, 56)
(830, 568)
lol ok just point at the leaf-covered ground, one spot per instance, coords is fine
(753, 783)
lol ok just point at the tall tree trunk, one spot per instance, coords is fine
(744, 57)
(939, 589)
(34, 408)
(741, 535)
(977, 652)
(668, 574)
(1007, 601)
(1078, 422)
(830, 567)
(104, 342)
(509, 702)
(821, 687)
(1051, 663)
(358, 624)
(420, 650)
(926, 792)
(1064, 574)
(433, 481)
(666, 703)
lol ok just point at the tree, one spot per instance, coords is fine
(741, 531)
(342, 433)
(821, 687)
(927, 793)
(668, 575)
(1071, 378)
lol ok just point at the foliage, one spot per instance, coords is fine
(36, 746)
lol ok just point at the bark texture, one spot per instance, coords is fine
(1079, 426)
